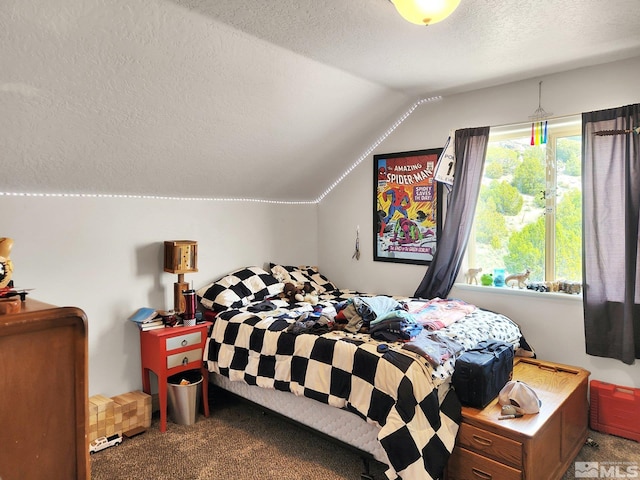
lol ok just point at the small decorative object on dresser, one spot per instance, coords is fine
(6, 267)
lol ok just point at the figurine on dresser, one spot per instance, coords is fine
(8, 303)
(6, 267)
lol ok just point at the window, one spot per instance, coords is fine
(529, 212)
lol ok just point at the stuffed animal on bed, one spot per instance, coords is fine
(289, 292)
(308, 294)
(281, 274)
(299, 293)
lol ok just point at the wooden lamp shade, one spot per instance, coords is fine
(180, 256)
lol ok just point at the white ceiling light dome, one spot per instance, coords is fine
(425, 12)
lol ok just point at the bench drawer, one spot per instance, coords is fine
(491, 445)
(467, 465)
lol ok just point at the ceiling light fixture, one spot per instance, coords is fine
(425, 12)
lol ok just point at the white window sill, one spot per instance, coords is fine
(520, 292)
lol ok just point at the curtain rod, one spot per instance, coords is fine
(603, 133)
(528, 122)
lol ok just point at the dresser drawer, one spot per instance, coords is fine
(489, 444)
(466, 465)
(184, 340)
(184, 358)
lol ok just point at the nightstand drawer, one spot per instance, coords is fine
(489, 444)
(184, 358)
(466, 465)
(184, 340)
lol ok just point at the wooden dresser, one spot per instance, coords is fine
(534, 447)
(43, 393)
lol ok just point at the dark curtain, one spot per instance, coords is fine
(610, 203)
(470, 151)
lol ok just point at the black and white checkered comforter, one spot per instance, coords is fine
(397, 389)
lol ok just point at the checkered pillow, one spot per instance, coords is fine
(239, 288)
(306, 273)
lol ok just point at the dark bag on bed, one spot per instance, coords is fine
(480, 373)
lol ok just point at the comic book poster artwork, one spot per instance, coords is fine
(407, 210)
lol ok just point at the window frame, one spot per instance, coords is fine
(559, 127)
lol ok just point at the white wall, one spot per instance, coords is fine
(554, 327)
(105, 256)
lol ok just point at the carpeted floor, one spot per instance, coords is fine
(236, 442)
(239, 442)
(612, 452)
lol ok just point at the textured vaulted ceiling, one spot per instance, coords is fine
(484, 42)
(254, 98)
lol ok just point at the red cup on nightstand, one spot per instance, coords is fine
(189, 315)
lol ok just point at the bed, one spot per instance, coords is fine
(371, 371)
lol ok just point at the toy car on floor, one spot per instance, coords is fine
(104, 442)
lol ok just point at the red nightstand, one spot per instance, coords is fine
(167, 351)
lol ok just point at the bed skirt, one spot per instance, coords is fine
(342, 425)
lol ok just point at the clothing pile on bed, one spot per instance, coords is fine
(328, 352)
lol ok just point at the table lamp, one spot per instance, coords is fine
(180, 256)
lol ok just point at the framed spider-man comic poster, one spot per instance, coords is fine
(407, 210)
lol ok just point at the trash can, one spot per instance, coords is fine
(184, 393)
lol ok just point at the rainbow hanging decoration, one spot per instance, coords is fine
(539, 122)
(539, 133)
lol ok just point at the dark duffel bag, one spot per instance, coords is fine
(480, 373)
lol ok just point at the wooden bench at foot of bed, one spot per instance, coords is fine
(541, 445)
